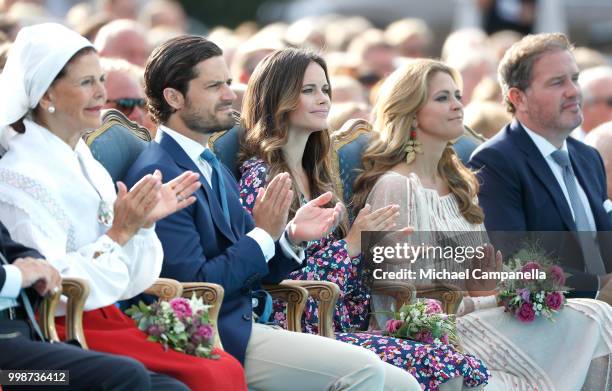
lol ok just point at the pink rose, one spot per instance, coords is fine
(181, 307)
(393, 325)
(433, 307)
(205, 331)
(557, 275)
(530, 267)
(526, 313)
(554, 300)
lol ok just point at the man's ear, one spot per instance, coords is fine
(517, 98)
(174, 98)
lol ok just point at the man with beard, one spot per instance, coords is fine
(187, 84)
(534, 178)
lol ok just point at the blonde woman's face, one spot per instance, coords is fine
(442, 115)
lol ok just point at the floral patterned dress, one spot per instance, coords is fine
(327, 259)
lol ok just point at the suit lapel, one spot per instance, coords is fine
(542, 171)
(205, 194)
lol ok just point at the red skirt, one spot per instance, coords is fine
(109, 330)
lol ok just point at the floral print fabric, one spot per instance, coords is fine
(327, 259)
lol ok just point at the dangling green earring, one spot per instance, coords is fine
(413, 146)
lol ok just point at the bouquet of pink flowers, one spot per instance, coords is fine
(527, 298)
(425, 322)
(180, 324)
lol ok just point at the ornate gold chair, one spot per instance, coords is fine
(326, 295)
(348, 144)
(76, 290)
(116, 144)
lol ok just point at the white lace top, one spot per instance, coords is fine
(421, 208)
(426, 211)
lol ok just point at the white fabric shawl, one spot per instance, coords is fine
(36, 57)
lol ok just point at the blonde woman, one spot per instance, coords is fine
(411, 163)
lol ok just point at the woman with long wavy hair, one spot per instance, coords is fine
(410, 162)
(285, 116)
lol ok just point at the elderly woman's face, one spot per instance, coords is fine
(79, 95)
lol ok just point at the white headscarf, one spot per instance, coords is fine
(36, 57)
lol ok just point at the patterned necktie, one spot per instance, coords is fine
(217, 182)
(593, 262)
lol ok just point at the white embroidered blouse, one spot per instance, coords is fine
(48, 202)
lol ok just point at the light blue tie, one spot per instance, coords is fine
(217, 182)
(593, 262)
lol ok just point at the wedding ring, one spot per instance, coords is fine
(180, 198)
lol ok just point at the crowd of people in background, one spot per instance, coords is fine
(359, 55)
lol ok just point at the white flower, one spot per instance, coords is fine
(197, 304)
(402, 316)
(179, 327)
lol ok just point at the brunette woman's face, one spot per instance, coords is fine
(78, 96)
(442, 114)
(314, 102)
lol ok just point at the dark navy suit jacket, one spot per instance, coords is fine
(13, 251)
(199, 245)
(519, 192)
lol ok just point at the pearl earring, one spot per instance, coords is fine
(51, 109)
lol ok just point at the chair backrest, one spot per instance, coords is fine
(348, 144)
(466, 144)
(117, 143)
(226, 145)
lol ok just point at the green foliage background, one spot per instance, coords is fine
(229, 13)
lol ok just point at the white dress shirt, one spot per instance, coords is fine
(193, 149)
(546, 149)
(11, 288)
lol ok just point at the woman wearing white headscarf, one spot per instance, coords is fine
(55, 197)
